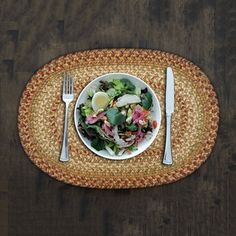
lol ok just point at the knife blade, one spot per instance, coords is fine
(170, 100)
(169, 106)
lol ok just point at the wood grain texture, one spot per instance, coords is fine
(34, 32)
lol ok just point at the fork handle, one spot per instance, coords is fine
(167, 160)
(64, 150)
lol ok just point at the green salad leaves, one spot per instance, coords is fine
(123, 122)
(115, 117)
(146, 100)
(117, 87)
(98, 144)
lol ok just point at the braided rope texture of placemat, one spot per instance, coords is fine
(194, 122)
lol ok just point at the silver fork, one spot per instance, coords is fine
(67, 98)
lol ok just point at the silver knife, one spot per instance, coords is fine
(169, 102)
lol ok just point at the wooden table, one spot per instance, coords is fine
(34, 32)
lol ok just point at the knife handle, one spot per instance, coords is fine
(167, 160)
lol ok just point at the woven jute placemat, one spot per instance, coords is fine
(194, 125)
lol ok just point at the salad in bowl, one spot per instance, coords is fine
(117, 116)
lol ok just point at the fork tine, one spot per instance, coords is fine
(64, 84)
(71, 86)
(67, 84)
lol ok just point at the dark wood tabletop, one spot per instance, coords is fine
(34, 32)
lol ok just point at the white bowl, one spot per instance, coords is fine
(155, 112)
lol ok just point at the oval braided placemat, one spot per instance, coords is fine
(194, 127)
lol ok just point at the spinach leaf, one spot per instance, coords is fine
(132, 148)
(146, 100)
(128, 85)
(115, 117)
(98, 144)
(88, 130)
(144, 90)
(132, 127)
(105, 85)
